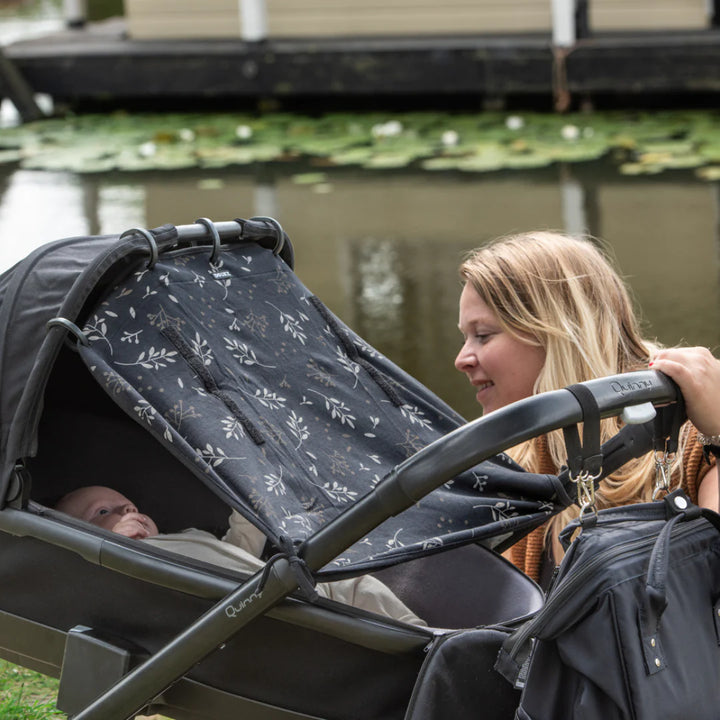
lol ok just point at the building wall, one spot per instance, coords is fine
(307, 18)
(326, 18)
(648, 14)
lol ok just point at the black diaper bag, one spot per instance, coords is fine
(631, 626)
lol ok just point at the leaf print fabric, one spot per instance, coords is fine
(282, 410)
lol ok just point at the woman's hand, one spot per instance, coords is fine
(697, 373)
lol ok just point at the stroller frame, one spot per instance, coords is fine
(159, 681)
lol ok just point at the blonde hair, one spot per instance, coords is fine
(563, 294)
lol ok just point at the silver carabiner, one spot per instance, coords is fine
(662, 472)
(586, 491)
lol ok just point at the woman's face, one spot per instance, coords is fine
(501, 367)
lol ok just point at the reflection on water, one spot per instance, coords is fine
(382, 249)
(25, 19)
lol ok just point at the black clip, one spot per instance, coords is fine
(279, 232)
(303, 576)
(154, 254)
(71, 327)
(210, 226)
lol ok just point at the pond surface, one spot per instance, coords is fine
(381, 247)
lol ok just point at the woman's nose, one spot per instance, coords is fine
(465, 360)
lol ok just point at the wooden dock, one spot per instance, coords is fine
(100, 66)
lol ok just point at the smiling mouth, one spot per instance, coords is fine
(483, 386)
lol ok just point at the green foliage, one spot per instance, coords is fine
(635, 142)
(26, 695)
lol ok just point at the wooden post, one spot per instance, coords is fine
(714, 13)
(253, 18)
(582, 19)
(18, 91)
(573, 203)
(75, 13)
(563, 22)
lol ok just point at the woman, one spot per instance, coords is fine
(540, 311)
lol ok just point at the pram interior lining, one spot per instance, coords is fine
(86, 439)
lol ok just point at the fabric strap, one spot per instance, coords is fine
(585, 456)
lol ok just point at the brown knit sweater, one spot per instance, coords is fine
(527, 554)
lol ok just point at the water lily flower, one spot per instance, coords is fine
(243, 132)
(392, 128)
(449, 138)
(514, 122)
(186, 135)
(570, 132)
(147, 149)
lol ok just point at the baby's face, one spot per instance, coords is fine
(109, 509)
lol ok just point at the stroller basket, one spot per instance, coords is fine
(189, 368)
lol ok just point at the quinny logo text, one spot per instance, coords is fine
(622, 388)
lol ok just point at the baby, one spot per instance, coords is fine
(109, 509)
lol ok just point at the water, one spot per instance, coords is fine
(382, 248)
(21, 20)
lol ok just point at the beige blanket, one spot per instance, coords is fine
(240, 548)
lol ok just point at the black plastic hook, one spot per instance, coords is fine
(154, 254)
(280, 233)
(210, 226)
(71, 327)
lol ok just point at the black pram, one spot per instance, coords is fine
(189, 369)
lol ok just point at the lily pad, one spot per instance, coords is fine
(224, 156)
(10, 156)
(353, 156)
(635, 142)
(710, 172)
(309, 178)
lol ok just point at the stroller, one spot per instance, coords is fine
(188, 368)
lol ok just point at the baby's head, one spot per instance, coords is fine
(109, 509)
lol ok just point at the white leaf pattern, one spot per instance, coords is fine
(338, 409)
(154, 359)
(291, 325)
(202, 349)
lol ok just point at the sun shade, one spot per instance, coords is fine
(284, 411)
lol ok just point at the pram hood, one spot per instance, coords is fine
(231, 363)
(58, 280)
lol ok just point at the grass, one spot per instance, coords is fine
(27, 695)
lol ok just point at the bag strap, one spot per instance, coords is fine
(679, 508)
(584, 460)
(584, 457)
